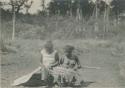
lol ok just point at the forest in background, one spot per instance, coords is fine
(64, 19)
(96, 28)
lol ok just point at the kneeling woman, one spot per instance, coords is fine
(69, 64)
(49, 60)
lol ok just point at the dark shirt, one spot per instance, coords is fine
(70, 62)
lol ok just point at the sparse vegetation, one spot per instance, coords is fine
(96, 43)
(59, 24)
(60, 28)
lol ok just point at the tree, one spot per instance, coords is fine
(75, 8)
(44, 10)
(107, 8)
(27, 6)
(43, 4)
(119, 7)
(14, 23)
(102, 6)
(17, 5)
(0, 25)
(2, 45)
(96, 3)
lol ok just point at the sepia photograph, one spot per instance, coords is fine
(62, 43)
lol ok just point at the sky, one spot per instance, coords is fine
(34, 8)
(36, 5)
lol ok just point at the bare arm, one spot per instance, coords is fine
(77, 62)
(56, 60)
(41, 61)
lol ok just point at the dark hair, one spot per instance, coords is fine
(48, 44)
(68, 48)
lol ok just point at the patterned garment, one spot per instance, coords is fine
(70, 63)
(65, 74)
(66, 71)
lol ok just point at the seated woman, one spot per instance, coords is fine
(69, 60)
(49, 60)
(69, 64)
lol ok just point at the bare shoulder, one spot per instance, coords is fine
(75, 57)
(42, 51)
(55, 51)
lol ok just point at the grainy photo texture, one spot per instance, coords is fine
(62, 43)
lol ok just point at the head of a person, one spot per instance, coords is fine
(49, 46)
(68, 49)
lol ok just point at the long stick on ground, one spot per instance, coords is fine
(88, 67)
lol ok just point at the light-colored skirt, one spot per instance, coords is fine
(45, 73)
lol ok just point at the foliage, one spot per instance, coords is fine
(59, 27)
(17, 5)
(62, 22)
(83, 7)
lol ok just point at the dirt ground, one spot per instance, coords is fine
(106, 54)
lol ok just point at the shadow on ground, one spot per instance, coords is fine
(36, 81)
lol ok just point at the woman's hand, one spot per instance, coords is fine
(79, 67)
(75, 69)
(41, 65)
(50, 67)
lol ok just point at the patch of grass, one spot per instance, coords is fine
(57, 27)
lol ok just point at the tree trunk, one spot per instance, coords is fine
(70, 10)
(0, 21)
(14, 22)
(96, 28)
(27, 10)
(17, 10)
(105, 13)
(43, 5)
(2, 45)
(78, 17)
(107, 19)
